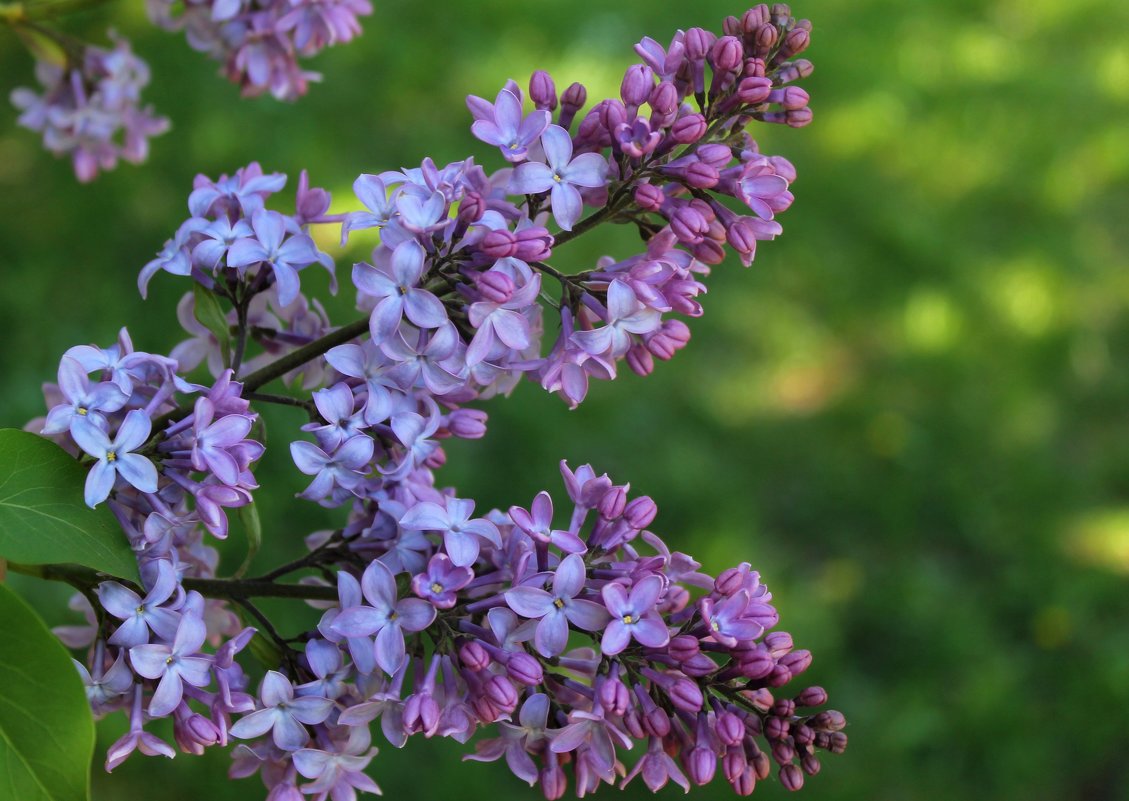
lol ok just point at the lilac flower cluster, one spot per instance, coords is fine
(259, 42)
(581, 636)
(90, 108)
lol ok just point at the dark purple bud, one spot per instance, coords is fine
(708, 251)
(791, 777)
(664, 98)
(784, 708)
(727, 54)
(790, 97)
(766, 38)
(803, 735)
(783, 752)
(701, 765)
(685, 695)
(612, 504)
(754, 91)
(683, 647)
(649, 197)
(716, 155)
(467, 423)
(754, 18)
(638, 82)
(810, 764)
(778, 643)
(837, 742)
(699, 664)
(775, 728)
(499, 244)
(471, 208)
(697, 42)
(745, 783)
(553, 780)
(501, 692)
(796, 41)
(485, 709)
(633, 723)
(760, 698)
(755, 68)
(614, 696)
(794, 71)
(779, 676)
(796, 661)
(761, 764)
(689, 129)
(495, 286)
(733, 762)
(756, 664)
(812, 696)
(798, 118)
(534, 244)
(640, 361)
(656, 722)
(474, 656)
(612, 114)
(688, 225)
(828, 721)
(731, 26)
(525, 669)
(671, 338)
(730, 728)
(200, 730)
(730, 580)
(641, 512)
(701, 176)
(573, 99)
(542, 91)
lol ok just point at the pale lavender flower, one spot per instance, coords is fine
(140, 615)
(374, 195)
(104, 687)
(441, 581)
(282, 714)
(175, 665)
(343, 468)
(116, 458)
(558, 608)
(460, 532)
(432, 363)
(515, 741)
(538, 524)
(398, 293)
(215, 441)
(271, 246)
(238, 195)
(335, 405)
(336, 775)
(626, 316)
(385, 616)
(633, 616)
(506, 127)
(502, 322)
(367, 362)
(136, 739)
(83, 400)
(560, 176)
(175, 257)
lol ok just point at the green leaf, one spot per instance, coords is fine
(249, 517)
(43, 518)
(46, 729)
(211, 316)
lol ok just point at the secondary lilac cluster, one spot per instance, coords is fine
(90, 109)
(583, 647)
(259, 42)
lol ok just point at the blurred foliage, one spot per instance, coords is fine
(910, 414)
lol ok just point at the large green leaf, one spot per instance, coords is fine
(46, 729)
(43, 518)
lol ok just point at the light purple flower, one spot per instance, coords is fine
(336, 775)
(174, 665)
(726, 620)
(270, 245)
(538, 524)
(398, 294)
(558, 608)
(515, 740)
(214, 441)
(502, 322)
(367, 362)
(104, 688)
(241, 194)
(83, 400)
(432, 362)
(174, 257)
(460, 532)
(508, 130)
(385, 616)
(282, 714)
(140, 615)
(343, 468)
(335, 405)
(441, 581)
(136, 739)
(217, 239)
(626, 316)
(116, 458)
(560, 176)
(633, 616)
(373, 193)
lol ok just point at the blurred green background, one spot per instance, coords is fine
(910, 414)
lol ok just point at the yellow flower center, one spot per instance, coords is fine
(82, 411)
(559, 603)
(628, 619)
(111, 456)
(437, 588)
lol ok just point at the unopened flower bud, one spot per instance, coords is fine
(640, 512)
(754, 91)
(683, 647)
(471, 208)
(467, 423)
(828, 721)
(778, 643)
(542, 91)
(500, 244)
(802, 735)
(791, 777)
(573, 99)
(744, 784)
(612, 504)
(524, 669)
(699, 664)
(495, 286)
(649, 197)
(766, 38)
(664, 98)
(730, 728)
(697, 42)
(701, 765)
(534, 244)
(688, 129)
(796, 661)
(775, 728)
(685, 695)
(790, 97)
(553, 780)
(474, 656)
(783, 708)
(810, 764)
(639, 359)
(638, 83)
(501, 692)
(812, 696)
(795, 41)
(727, 54)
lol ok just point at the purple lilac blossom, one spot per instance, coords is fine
(91, 110)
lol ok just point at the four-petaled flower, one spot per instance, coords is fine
(460, 532)
(396, 288)
(174, 665)
(270, 245)
(385, 616)
(560, 176)
(142, 614)
(633, 616)
(83, 400)
(342, 468)
(558, 608)
(116, 458)
(502, 124)
(282, 714)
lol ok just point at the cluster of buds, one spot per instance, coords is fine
(573, 642)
